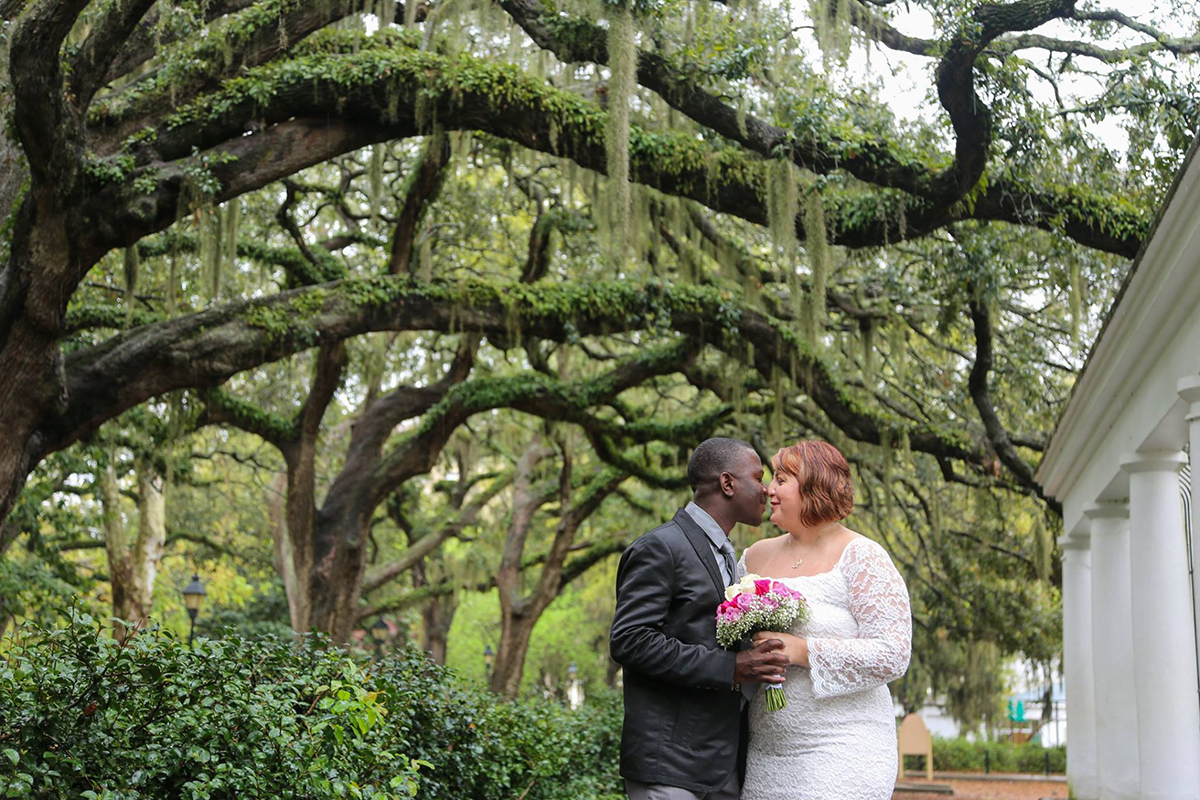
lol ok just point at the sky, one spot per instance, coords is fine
(907, 78)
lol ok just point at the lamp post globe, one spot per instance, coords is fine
(574, 687)
(193, 597)
(379, 634)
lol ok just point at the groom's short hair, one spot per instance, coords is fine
(712, 457)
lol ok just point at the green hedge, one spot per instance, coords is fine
(83, 716)
(961, 755)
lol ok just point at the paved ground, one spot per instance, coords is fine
(994, 790)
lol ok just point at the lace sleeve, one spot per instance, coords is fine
(878, 599)
(741, 566)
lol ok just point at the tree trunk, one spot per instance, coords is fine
(334, 583)
(119, 576)
(516, 628)
(285, 564)
(437, 615)
(148, 549)
(31, 318)
(325, 554)
(327, 570)
(323, 551)
(610, 673)
(8, 535)
(519, 612)
(133, 568)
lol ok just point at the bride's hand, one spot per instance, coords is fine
(795, 648)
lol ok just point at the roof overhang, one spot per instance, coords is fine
(1160, 294)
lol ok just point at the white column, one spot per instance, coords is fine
(1189, 390)
(1077, 666)
(1112, 654)
(1164, 646)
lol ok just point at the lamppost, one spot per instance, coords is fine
(379, 634)
(488, 657)
(193, 598)
(574, 688)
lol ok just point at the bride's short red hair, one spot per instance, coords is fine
(826, 491)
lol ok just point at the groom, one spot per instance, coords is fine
(684, 735)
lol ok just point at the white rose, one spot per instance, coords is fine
(746, 584)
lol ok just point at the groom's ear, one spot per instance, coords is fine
(726, 484)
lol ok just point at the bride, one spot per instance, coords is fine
(836, 738)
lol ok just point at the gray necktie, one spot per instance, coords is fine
(730, 562)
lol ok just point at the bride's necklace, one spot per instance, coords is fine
(791, 549)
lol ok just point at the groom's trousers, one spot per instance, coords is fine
(645, 791)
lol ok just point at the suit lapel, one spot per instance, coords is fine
(703, 547)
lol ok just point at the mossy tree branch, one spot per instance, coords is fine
(978, 386)
(255, 35)
(590, 554)
(870, 159)
(102, 46)
(223, 408)
(47, 125)
(206, 348)
(430, 541)
(421, 190)
(468, 93)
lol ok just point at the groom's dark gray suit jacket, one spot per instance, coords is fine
(683, 721)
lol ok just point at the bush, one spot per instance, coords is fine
(1032, 758)
(82, 715)
(961, 755)
(482, 748)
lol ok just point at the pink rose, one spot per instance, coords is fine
(744, 601)
(762, 586)
(787, 591)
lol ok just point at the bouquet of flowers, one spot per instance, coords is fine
(759, 604)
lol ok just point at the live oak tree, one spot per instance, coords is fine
(705, 212)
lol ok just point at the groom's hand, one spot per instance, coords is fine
(762, 663)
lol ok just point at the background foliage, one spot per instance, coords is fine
(86, 716)
(400, 313)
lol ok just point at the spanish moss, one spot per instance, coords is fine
(1043, 549)
(1075, 299)
(622, 60)
(817, 245)
(783, 206)
(375, 178)
(885, 444)
(831, 25)
(899, 336)
(132, 263)
(868, 353)
(232, 219)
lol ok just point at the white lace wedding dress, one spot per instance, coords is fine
(836, 739)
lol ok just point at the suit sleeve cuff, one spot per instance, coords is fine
(723, 670)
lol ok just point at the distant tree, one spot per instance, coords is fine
(642, 221)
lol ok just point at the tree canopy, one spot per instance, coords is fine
(459, 283)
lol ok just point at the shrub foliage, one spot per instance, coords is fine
(82, 715)
(963, 755)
